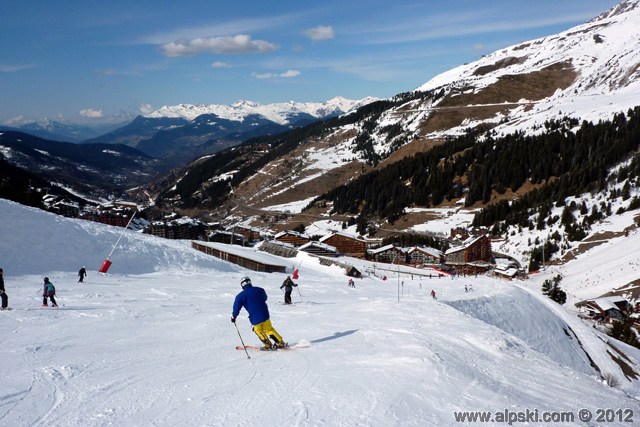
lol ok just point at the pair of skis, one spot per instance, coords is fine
(252, 347)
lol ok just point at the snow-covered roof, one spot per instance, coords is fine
(324, 246)
(386, 248)
(291, 233)
(343, 234)
(608, 303)
(426, 249)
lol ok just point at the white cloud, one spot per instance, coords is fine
(320, 32)
(91, 113)
(15, 121)
(286, 74)
(240, 43)
(8, 68)
(146, 108)
(220, 64)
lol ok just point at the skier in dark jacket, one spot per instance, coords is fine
(49, 292)
(288, 288)
(254, 300)
(82, 273)
(3, 294)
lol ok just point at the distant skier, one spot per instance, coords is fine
(3, 294)
(470, 287)
(288, 288)
(351, 283)
(82, 273)
(254, 300)
(49, 292)
(466, 289)
(433, 294)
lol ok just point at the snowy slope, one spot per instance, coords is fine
(277, 112)
(604, 52)
(150, 343)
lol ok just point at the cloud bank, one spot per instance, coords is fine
(240, 43)
(285, 75)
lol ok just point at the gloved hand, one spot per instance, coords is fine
(233, 319)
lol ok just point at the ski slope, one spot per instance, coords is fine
(151, 343)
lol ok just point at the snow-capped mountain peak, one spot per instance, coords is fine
(280, 113)
(573, 71)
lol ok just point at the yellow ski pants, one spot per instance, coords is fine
(265, 330)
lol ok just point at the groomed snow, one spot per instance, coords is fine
(150, 343)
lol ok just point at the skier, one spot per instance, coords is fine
(288, 288)
(351, 283)
(433, 294)
(254, 300)
(82, 273)
(470, 287)
(49, 292)
(466, 289)
(3, 294)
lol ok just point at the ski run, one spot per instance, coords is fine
(150, 343)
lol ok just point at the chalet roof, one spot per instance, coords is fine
(292, 233)
(247, 227)
(343, 234)
(608, 303)
(467, 243)
(509, 272)
(430, 251)
(278, 243)
(386, 248)
(324, 246)
(455, 249)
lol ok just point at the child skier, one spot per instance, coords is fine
(49, 292)
(288, 288)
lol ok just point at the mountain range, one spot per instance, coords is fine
(587, 73)
(387, 159)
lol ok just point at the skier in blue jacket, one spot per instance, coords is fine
(254, 300)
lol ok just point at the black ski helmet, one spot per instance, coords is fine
(245, 281)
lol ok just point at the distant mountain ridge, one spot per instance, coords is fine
(178, 134)
(92, 170)
(58, 131)
(284, 113)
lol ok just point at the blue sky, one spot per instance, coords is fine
(104, 61)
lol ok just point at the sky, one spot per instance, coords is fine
(150, 343)
(106, 62)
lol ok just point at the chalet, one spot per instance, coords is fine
(506, 268)
(319, 249)
(64, 208)
(222, 236)
(472, 250)
(424, 255)
(605, 308)
(346, 244)
(181, 228)
(459, 233)
(292, 237)
(388, 253)
(250, 234)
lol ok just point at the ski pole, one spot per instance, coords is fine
(242, 341)
(298, 288)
